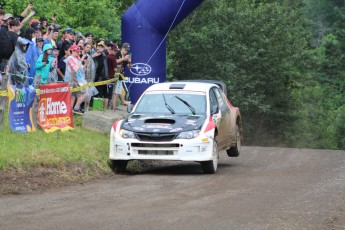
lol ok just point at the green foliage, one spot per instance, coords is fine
(102, 18)
(259, 50)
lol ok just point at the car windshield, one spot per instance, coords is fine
(170, 103)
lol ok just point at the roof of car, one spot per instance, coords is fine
(182, 85)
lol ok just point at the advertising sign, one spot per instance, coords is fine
(146, 33)
(54, 107)
(20, 100)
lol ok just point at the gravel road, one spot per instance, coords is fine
(265, 188)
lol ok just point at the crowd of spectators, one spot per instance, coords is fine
(53, 54)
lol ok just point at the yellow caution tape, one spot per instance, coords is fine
(76, 89)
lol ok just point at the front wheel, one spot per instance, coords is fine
(118, 166)
(210, 167)
(235, 151)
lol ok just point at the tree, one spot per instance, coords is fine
(101, 17)
(258, 49)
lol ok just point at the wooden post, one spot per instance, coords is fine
(37, 84)
(3, 99)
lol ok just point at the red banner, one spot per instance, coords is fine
(54, 108)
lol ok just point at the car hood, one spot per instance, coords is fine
(163, 124)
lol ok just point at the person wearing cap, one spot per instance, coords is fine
(6, 21)
(38, 31)
(43, 63)
(100, 59)
(39, 44)
(63, 37)
(75, 75)
(22, 19)
(112, 69)
(124, 60)
(69, 40)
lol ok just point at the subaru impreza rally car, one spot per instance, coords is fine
(178, 121)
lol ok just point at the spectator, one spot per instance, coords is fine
(123, 60)
(80, 43)
(8, 41)
(75, 75)
(44, 23)
(31, 54)
(7, 18)
(38, 31)
(90, 71)
(89, 40)
(108, 45)
(53, 75)
(45, 27)
(44, 63)
(61, 69)
(63, 38)
(112, 69)
(18, 69)
(6, 21)
(100, 59)
(39, 44)
(69, 40)
(52, 37)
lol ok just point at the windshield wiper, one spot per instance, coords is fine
(168, 106)
(187, 104)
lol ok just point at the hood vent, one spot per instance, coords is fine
(160, 121)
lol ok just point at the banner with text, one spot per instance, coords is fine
(20, 102)
(54, 107)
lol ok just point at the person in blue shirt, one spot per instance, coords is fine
(31, 54)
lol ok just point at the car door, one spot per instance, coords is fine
(222, 118)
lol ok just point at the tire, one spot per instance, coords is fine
(210, 167)
(119, 166)
(235, 151)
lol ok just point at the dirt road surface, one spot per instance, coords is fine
(265, 188)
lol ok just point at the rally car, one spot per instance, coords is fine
(178, 121)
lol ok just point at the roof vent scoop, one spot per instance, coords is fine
(177, 86)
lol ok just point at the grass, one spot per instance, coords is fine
(22, 152)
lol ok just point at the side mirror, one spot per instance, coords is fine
(129, 108)
(214, 109)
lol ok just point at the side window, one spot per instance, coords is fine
(213, 98)
(220, 98)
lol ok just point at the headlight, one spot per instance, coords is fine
(188, 134)
(126, 134)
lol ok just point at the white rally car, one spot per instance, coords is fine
(178, 121)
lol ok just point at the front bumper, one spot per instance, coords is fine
(196, 149)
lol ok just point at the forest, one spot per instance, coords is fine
(282, 61)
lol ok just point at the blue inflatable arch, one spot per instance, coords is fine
(145, 26)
